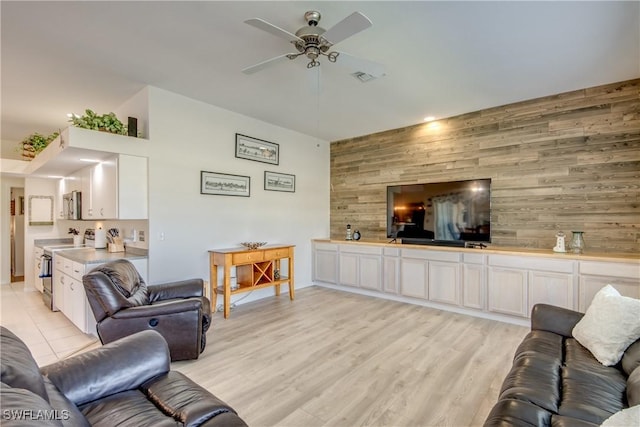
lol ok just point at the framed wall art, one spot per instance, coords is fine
(257, 150)
(223, 184)
(276, 181)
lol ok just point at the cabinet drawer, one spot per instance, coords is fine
(67, 266)
(77, 271)
(276, 253)
(248, 257)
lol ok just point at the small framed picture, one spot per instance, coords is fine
(276, 181)
(257, 150)
(223, 184)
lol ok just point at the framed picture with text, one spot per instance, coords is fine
(223, 184)
(257, 150)
(276, 181)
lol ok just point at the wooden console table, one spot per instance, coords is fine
(255, 269)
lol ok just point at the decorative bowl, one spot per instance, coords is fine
(253, 245)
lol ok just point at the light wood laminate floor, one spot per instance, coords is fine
(332, 358)
(329, 358)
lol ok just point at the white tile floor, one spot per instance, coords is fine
(49, 335)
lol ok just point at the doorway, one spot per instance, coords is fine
(17, 234)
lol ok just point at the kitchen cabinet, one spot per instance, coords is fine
(66, 185)
(115, 188)
(37, 257)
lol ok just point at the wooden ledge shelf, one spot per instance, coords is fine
(255, 269)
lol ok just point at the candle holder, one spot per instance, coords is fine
(577, 242)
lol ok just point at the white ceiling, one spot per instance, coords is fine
(442, 59)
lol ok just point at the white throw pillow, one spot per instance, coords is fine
(625, 418)
(610, 325)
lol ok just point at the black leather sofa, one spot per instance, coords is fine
(555, 381)
(125, 383)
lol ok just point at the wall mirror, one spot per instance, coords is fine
(40, 210)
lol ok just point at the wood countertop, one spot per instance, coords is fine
(495, 250)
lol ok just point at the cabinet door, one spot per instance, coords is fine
(58, 290)
(132, 187)
(325, 266)
(104, 184)
(349, 269)
(78, 302)
(473, 289)
(550, 288)
(414, 274)
(590, 285)
(37, 254)
(508, 291)
(391, 273)
(444, 282)
(86, 189)
(370, 269)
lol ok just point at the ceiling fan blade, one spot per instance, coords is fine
(358, 64)
(264, 64)
(349, 26)
(272, 29)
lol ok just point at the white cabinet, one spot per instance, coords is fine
(115, 189)
(444, 282)
(360, 266)
(67, 185)
(507, 291)
(595, 275)
(489, 283)
(325, 262)
(37, 257)
(517, 283)
(390, 270)
(432, 275)
(68, 292)
(474, 272)
(414, 275)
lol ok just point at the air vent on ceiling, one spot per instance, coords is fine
(363, 77)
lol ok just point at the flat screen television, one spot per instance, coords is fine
(440, 213)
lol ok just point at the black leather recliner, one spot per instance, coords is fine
(123, 304)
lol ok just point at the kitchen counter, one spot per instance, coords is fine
(100, 256)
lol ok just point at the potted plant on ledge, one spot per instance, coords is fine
(104, 123)
(35, 143)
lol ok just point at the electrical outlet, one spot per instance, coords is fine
(141, 235)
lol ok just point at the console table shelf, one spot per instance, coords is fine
(255, 269)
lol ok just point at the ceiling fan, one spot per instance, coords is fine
(314, 42)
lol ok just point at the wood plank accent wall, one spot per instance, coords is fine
(564, 162)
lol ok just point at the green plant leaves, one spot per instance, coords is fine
(106, 122)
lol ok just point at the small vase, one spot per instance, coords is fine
(77, 240)
(577, 242)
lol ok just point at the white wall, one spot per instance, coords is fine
(188, 137)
